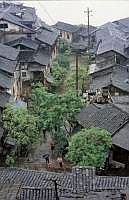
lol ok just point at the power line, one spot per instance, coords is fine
(42, 6)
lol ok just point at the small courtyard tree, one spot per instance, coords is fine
(89, 147)
(21, 126)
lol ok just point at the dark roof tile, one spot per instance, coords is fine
(8, 52)
(25, 42)
(6, 81)
(7, 65)
(46, 36)
(107, 116)
(66, 27)
(4, 99)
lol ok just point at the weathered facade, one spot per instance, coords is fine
(21, 29)
(66, 30)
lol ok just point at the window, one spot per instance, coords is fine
(68, 36)
(3, 25)
(23, 74)
(60, 34)
(29, 35)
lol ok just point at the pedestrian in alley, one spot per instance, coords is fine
(52, 146)
(60, 161)
(46, 157)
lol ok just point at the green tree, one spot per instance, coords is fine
(10, 161)
(21, 125)
(63, 46)
(58, 75)
(53, 110)
(71, 105)
(83, 79)
(46, 107)
(89, 147)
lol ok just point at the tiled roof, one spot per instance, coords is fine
(83, 30)
(25, 42)
(66, 27)
(46, 36)
(6, 81)
(113, 39)
(105, 195)
(34, 178)
(41, 57)
(8, 52)
(111, 183)
(5, 15)
(7, 65)
(120, 99)
(121, 137)
(8, 191)
(116, 75)
(39, 185)
(25, 56)
(14, 13)
(121, 102)
(4, 99)
(106, 116)
(109, 117)
(124, 21)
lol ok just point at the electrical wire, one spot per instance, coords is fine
(42, 6)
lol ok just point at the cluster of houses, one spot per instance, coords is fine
(27, 48)
(108, 94)
(81, 184)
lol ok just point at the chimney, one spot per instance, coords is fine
(83, 179)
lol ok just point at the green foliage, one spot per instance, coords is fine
(60, 139)
(70, 81)
(63, 58)
(63, 46)
(89, 147)
(53, 110)
(20, 125)
(58, 75)
(10, 161)
(46, 107)
(71, 105)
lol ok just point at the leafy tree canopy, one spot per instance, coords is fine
(70, 81)
(64, 46)
(58, 75)
(89, 147)
(20, 125)
(53, 109)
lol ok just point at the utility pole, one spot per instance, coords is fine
(76, 74)
(88, 25)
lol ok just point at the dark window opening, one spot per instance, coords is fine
(3, 25)
(60, 34)
(68, 36)
(28, 35)
(23, 74)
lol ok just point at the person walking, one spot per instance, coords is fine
(52, 146)
(46, 157)
(60, 161)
